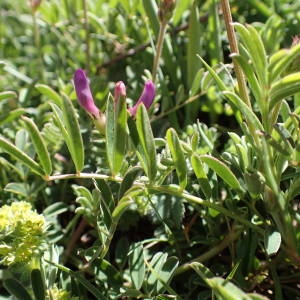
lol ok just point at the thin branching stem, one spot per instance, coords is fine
(234, 49)
(167, 190)
(159, 47)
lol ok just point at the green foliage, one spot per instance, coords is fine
(195, 198)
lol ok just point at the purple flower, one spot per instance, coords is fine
(84, 94)
(146, 98)
(120, 91)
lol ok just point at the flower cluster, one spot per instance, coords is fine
(86, 100)
(21, 233)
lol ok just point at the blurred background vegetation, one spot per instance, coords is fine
(115, 40)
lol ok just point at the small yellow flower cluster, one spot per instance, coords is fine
(58, 294)
(21, 233)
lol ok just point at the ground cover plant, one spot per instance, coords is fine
(149, 149)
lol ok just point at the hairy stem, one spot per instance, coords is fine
(159, 46)
(234, 49)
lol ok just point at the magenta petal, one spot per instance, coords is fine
(84, 94)
(120, 90)
(146, 98)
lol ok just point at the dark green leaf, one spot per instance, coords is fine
(128, 180)
(15, 288)
(37, 284)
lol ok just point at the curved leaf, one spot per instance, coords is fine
(16, 153)
(7, 95)
(244, 108)
(16, 289)
(50, 93)
(222, 170)
(285, 87)
(39, 145)
(38, 285)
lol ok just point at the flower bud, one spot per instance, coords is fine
(166, 10)
(34, 4)
(120, 91)
(84, 94)
(146, 97)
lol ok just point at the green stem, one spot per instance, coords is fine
(231, 237)
(234, 49)
(159, 46)
(168, 190)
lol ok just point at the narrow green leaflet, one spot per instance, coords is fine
(201, 175)
(21, 156)
(178, 156)
(116, 133)
(282, 60)
(222, 170)
(19, 188)
(147, 141)
(285, 87)
(16, 289)
(223, 288)
(37, 284)
(256, 50)
(73, 129)
(155, 267)
(244, 108)
(58, 120)
(151, 9)
(39, 145)
(166, 273)
(50, 93)
(194, 45)
(7, 95)
(215, 76)
(12, 115)
(136, 265)
(128, 180)
(249, 74)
